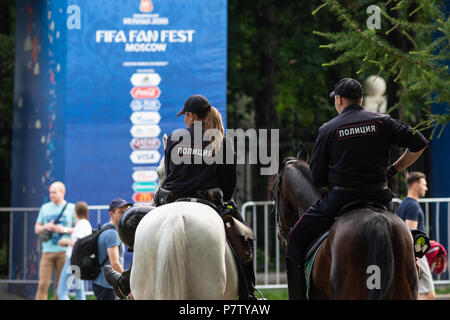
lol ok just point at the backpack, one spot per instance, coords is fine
(84, 260)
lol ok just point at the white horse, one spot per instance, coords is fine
(181, 252)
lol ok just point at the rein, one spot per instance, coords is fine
(279, 203)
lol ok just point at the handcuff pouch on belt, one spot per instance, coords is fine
(163, 196)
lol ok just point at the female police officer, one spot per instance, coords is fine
(195, 157)
(196, 166)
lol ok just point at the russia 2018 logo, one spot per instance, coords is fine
(146, 6)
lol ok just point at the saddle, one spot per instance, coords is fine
(214, 196)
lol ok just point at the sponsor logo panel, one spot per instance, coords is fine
(145, 117)
(145, 79)
(143, 197)
(144, 186)
(145, 176)
(145, 92)
(145, 143)
(145, 105)
(143, 131)
(145, 156)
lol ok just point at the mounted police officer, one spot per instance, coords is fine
(349, 161)
(196, 168)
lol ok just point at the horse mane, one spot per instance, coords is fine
(299, 164)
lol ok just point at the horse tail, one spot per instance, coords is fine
(380, 254)
(170, 282)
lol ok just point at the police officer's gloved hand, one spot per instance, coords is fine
(391, 172)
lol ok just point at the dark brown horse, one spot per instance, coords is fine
(358, 239)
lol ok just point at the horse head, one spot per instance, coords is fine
(293, 192)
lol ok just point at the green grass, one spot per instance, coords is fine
(275, 294)
(282, 294)
(442, 289)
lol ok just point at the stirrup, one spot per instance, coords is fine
(260, 293)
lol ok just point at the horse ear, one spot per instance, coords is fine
(165, 140)
(302, 153)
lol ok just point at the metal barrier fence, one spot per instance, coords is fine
(96, 210)
(268, 262)
(271, 274)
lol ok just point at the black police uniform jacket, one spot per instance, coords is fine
(198, 169)
(352, 149)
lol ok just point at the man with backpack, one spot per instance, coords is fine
(110, 249)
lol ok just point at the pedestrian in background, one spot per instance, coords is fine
(110, 249)
(410, 211)
(82, 229)
(55, 221)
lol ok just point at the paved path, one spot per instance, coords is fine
(5, 295)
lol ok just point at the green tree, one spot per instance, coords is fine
(275, 74)
(7, 17)
(411, 49)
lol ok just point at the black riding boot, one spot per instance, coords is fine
(119, 282)
(296, 280)
(249, 274)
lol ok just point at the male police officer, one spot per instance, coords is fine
(350, 160)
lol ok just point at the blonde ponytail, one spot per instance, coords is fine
(213, 120)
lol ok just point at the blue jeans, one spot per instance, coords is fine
(68, 282)
(102, 293)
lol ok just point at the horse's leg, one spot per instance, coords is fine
(348, 277)
(406, 279)
(231, 287)
(210, 263)
(144, 258)
(320, 276)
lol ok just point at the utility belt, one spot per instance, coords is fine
(214, 195)
(367, 187)
(238, 233)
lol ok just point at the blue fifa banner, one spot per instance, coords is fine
(97, 85)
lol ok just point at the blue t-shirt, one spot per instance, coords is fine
(51, 211)
(410, 209)
(107, 239)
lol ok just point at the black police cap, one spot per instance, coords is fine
(197, 104)
(348, 88)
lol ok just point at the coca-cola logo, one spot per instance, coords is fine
(145, 92)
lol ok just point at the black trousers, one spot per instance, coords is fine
(321, 215)
(102, 293)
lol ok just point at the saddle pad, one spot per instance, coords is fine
(310, 263)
